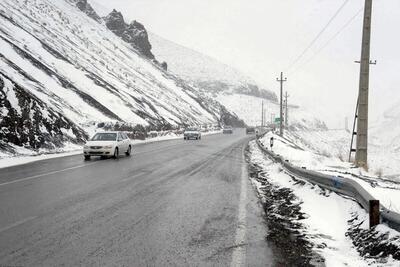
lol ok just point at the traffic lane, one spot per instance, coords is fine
(95, 204)
(37, 168)
(43, 167)
(203, 210)
(25, 198)
(12, 173)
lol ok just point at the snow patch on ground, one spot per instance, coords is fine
(26, 156)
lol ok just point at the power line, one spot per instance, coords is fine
(318, 35)
(330, 40)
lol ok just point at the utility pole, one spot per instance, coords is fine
(265, 119)
(362, 114)
(286, 109)
(281, 81)
(273, 121)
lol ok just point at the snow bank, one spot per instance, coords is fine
(326, 223)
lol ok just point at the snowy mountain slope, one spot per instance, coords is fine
(204, 71)
(75, 67)
(37, 124)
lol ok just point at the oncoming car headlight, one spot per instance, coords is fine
(107, 147)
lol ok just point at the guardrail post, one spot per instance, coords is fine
(374, 213)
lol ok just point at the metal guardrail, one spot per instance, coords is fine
(341, 185)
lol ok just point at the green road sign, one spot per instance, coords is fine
(277, 119)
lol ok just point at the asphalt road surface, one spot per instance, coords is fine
(172, 203)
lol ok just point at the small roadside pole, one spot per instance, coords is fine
(271, 142)
(374, 213)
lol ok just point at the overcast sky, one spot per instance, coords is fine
(263, 37)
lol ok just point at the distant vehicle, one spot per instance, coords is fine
(192, 133)
(250, 130)
(227, 130)
(107, 144)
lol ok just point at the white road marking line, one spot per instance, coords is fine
(17, 223)
(239, 252)
(45, 174)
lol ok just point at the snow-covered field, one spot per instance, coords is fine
(328, 217)
(316, 151)
(383, 152)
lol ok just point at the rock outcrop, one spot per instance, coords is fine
(133, 33)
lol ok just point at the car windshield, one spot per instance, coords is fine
(191, 129)
(104, 137)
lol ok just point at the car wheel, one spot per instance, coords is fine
(116, 153)
(87, 157)
(128, 152)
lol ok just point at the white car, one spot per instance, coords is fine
(192, 133)
(107, 144)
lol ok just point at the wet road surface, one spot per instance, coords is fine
(172, 203)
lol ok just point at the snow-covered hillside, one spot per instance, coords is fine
(63, 70)
(204, 71)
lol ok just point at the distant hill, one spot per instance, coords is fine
(237, 92)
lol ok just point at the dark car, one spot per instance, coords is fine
(227, 130)
(250, 130)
